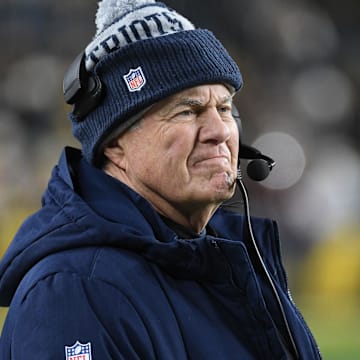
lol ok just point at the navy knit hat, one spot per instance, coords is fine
(143, 52)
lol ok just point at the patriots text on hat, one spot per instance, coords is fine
(148, 21)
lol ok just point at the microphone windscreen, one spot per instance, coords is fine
(258, 170)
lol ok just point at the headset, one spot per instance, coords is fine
(82, 89)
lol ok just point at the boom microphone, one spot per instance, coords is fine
(259, 168)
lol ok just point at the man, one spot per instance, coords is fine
(132, 255)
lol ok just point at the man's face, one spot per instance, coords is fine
(183, 153)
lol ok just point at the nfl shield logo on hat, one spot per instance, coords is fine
(78, 351)
(135, 79)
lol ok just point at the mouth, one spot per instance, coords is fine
(216, 166)
(217, 160)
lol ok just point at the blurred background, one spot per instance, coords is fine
(300, 60)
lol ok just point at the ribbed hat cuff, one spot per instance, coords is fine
(168, 65)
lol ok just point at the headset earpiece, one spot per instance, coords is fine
(82, 89)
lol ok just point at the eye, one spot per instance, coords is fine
(187, 112)
(224, 110)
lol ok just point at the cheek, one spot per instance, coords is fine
(139, 152)
(160, 156)
(175, 146)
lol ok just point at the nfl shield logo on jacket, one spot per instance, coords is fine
(78, 351)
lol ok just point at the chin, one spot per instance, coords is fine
(223, 195)
(219, 193)
(224, 182)
(218, 188)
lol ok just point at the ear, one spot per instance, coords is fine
(114, 151)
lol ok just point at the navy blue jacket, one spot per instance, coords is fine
(97, 274)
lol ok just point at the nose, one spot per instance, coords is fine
(214, 129)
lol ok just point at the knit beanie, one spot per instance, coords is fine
(144, 51)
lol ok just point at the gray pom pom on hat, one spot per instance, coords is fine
(109, 10)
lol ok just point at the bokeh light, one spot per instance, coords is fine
(329, 192)
(306, 33)
(323, 94)
(289, 156)
(33, 82)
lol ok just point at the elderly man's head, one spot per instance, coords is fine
(182, 156)
(142, 53)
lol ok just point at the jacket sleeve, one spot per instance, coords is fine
(65, 314)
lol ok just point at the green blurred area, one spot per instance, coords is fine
(337, 334)
(328, 289)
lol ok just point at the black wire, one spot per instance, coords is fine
(263, 266)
